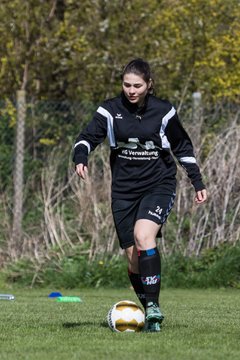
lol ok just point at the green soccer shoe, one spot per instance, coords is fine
(151, 327)
(153, 319)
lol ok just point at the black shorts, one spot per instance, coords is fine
(154, 205)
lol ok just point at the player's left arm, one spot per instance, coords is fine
(182, 148)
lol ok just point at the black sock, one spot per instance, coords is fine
(150, 271)
(138, 287)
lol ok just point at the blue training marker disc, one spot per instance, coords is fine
(54, 294)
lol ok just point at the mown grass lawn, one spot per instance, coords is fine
(199, 324)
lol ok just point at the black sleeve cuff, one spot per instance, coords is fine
(80, 155)
(80, 159)
(198, 185)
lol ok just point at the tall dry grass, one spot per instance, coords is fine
(218, 220)
(76, 214)
(92, 201)
(208, 225)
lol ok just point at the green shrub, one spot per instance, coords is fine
(80, 272)
(71, 272)
(218, 267)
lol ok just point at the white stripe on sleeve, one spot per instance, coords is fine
(83, 142)
(165, 120)
(188, 159)
(110, 132)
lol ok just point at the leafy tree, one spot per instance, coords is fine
(74, 49)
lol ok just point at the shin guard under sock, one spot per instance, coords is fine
(150, 271)
(137, 285)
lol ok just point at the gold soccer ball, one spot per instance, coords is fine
(125, 316)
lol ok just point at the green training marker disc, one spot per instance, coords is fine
(69, 299)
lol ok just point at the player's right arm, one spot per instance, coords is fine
(87, 141)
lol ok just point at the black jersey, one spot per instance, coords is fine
(141, 141)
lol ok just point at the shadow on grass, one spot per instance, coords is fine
(69, 325)
(104, 324)
(175, 326)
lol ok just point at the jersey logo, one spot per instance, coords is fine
(118, 116)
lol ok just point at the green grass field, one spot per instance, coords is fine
(199, 324)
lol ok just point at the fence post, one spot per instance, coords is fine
(18, 175)
(197, 117)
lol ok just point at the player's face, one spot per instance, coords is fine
(135, 88)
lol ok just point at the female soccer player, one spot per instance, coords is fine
(141, 129)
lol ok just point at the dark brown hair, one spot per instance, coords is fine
(141, 68)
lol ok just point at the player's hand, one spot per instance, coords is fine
(82, 171)
(201, 196)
